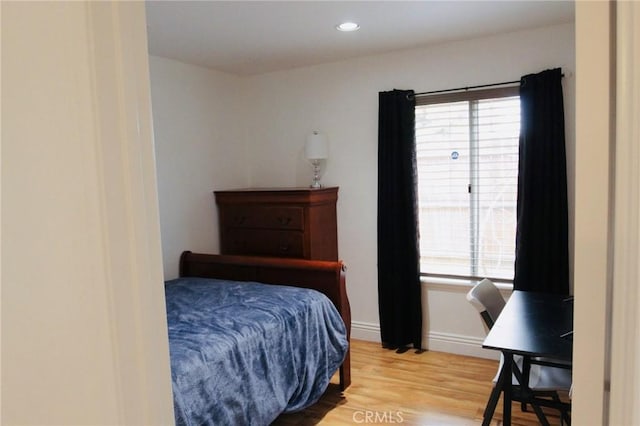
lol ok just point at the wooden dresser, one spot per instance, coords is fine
(280, 222)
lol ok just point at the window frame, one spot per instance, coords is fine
(460, 96)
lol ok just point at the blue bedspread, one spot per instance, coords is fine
(242, 353)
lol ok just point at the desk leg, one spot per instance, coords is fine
(503, 378)
(506, 394)
(524, 382)
(491, 405)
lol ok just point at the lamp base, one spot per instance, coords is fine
(316, 174)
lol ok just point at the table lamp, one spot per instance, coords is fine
(315, 150)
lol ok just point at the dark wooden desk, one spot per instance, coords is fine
(531, 325)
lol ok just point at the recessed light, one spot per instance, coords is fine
(348, 26)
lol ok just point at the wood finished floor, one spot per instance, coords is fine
(431, 388)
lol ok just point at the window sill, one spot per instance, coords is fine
(458, 285)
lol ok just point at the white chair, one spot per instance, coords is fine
(487, 300)
(543, 380)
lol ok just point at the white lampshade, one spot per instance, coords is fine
(317, 147)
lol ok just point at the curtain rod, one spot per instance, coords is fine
(504, 83)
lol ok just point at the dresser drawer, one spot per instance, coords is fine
(268, 217)
(264, 242)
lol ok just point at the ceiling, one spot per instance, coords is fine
(254, 37)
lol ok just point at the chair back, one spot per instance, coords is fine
(486, 298)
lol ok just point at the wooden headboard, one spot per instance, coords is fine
(328, 277)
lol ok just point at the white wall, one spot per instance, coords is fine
(595, 144)
(200, 146)
(625, 321)
(607, 338)
(84, 338)
(341, 99)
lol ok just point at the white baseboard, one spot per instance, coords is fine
(460, 345)
(435, 341)
(365, 331)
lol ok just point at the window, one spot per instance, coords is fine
(467, 157)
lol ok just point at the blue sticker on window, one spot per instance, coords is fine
(454, 155)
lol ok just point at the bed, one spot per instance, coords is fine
(251, 337)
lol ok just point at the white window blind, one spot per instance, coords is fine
(467, 156)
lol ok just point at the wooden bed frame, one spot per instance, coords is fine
(327, 277)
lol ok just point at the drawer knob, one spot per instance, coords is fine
(284, 248)
(239, 220)
(284, 220)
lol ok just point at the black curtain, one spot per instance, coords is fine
(542, 254)
(399, 297)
